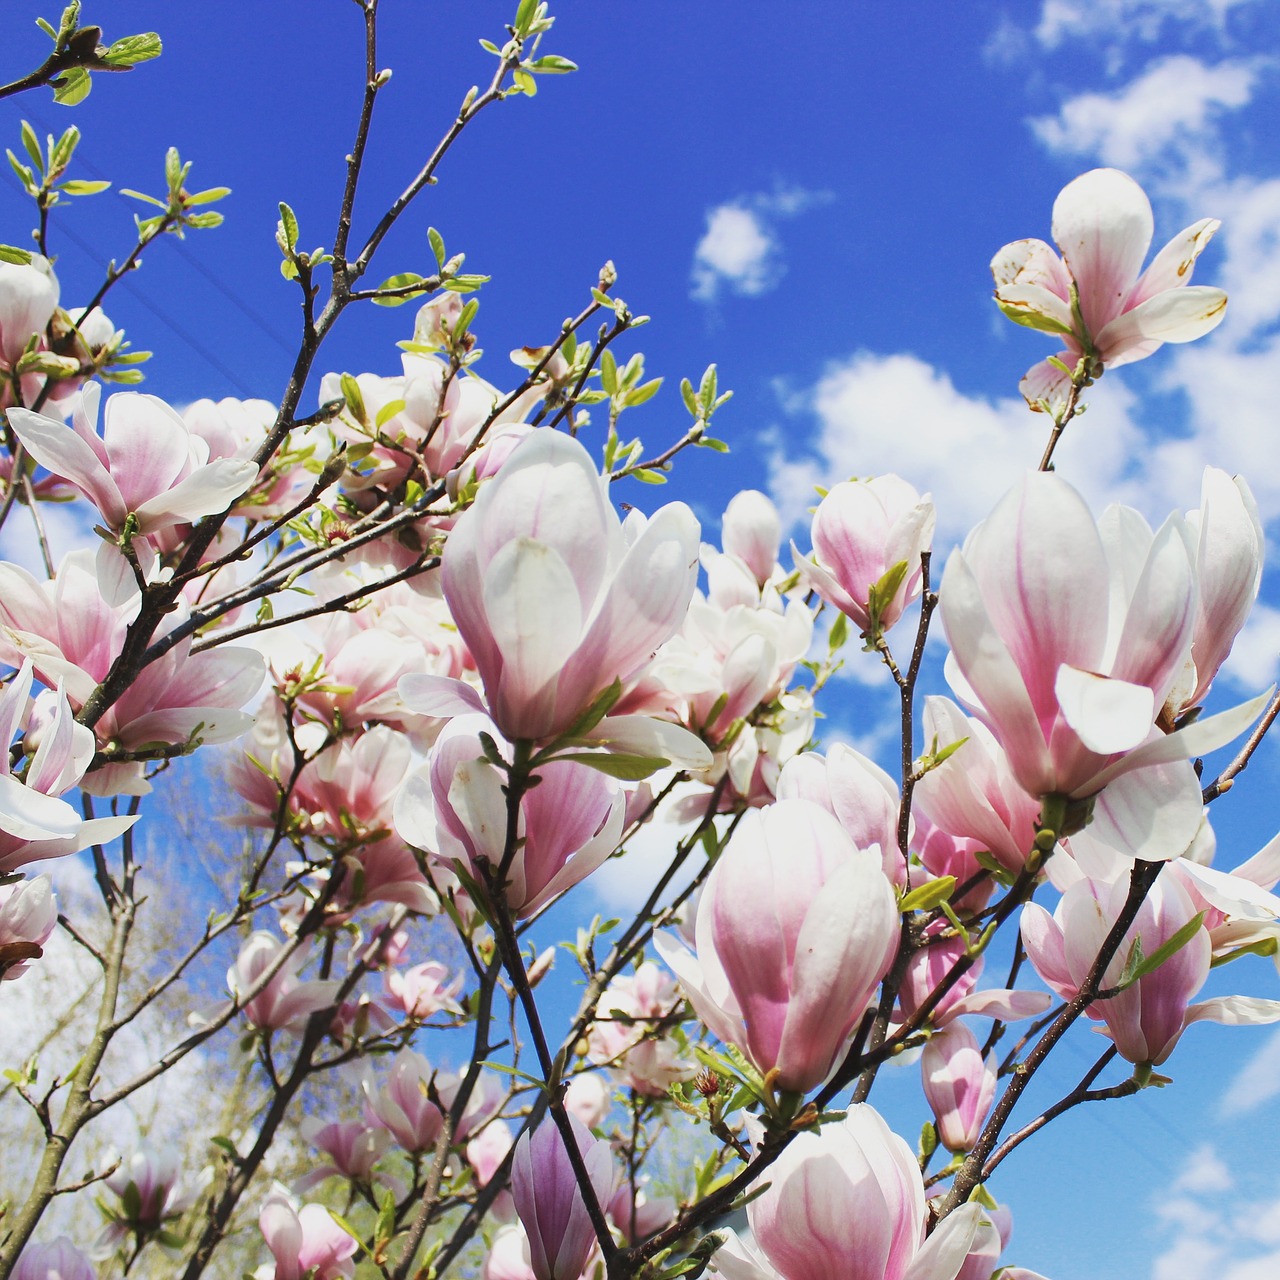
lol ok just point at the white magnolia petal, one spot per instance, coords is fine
(1107, 715)
(1235, 1011)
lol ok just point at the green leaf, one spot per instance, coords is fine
(20, 257)
(355, 400)
(625, 768)
(928, 1140)
(489, 47)
(436, 241)
(551, 64)
(208, 196)
(925, 897)
(706, 442)
(642, 393)
(130, 50)
(32, 145)
(647, 475)
(1138, 965)
(203, 221)
(608, 372)
(400, 281)
(289, 223)
(507, 1070)
(387, 412)
(82, 187)
(524, 15)
(138, 195)
(524, 82)
(838, 634)
(71, 86)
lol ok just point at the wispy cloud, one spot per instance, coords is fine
(1173, 106)
(1139, 20)
(740, 251)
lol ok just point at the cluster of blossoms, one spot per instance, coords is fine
(499, 684)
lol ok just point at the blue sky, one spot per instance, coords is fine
(809, 197)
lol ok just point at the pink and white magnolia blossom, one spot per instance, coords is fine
(149, 1186)
(868, 537)
(424, 990)
(627, 1034)
(973, 793)
(589, 1096)
(1096, 297)
(849, 1201)
(795, 929)
(34, 823)
(1226, 532)
(28, 915)
(402, 1104)
(353, 1148)
(751, 532)
(488, 1149)
(60, 1260)
(73, 628)
(857, 791)
(456, 808)
(147, 463)
(286, 1002)
(557, 599)
(28, 298)
(959, 1084)
(549, 1201)
(1067, 636)
(305, 1241)
(1147, 1018)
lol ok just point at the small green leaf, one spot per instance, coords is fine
(208, 196)
(436, 241)
(524, 82)
(400, 281)
(355, 400)
(551, 65)
(926, 897)
(32, 145)
(608, 372)
(138, 195)
(387, 412)
(524, 15)
(642, 393)
(647, 475)
(72, 86)
(82, 187)
(706, 442)
(20, 257)
(1139, 965)
(130, 50)
(928, 1140)
(203, 221)
(289, 224)
(624, 768)
(838, 634)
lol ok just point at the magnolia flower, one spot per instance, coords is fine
(959, 1084)
(456, 806)
(549, 1201)
(795, 929)
(750, 531)
(147, 463)
(28, 915)
(60, 1260)
(848, 1201)
(1093, 297)
(286, 1001)
(1146, 1018)
(868, 537)
(305, 1241)
(554, 596)
(1067, 637)
(28, 299)
(34, 823)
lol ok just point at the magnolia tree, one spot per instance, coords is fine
(454, 682)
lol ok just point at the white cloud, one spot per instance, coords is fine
(1258, 1081)
(740, 250)
(1144, 20)
(1171, 108)
(1203, 1171)
(1254, 664)
(896, 413)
